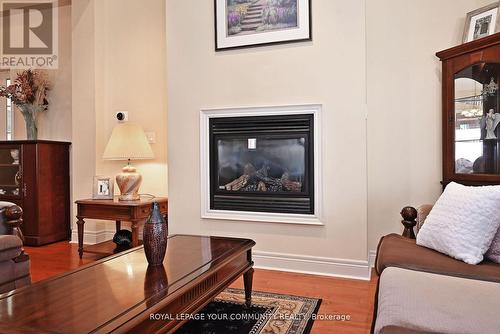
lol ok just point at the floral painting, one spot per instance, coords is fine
(249, 17)
(242, 23)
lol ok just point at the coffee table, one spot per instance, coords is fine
(122, 294)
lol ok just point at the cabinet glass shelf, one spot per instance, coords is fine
(477, 147)
(10, 171)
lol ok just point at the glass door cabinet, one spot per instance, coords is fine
(471, 112)
(11, 172)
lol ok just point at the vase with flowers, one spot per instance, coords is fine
(29, 95)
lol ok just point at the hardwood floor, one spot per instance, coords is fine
(54, 259)
(340, 296)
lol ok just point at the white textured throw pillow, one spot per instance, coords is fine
(463, 222)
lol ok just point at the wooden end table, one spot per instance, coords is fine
(113, 209)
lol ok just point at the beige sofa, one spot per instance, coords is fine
(14, 263)
(423, 291)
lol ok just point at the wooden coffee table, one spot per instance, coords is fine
(122, 294)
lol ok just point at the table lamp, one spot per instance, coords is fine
(128, 142)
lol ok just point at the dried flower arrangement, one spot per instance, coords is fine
(29, 94)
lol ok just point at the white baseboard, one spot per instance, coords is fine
(92, 237)
(372, 255)
(313, 265)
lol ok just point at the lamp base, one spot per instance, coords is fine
(129, 182)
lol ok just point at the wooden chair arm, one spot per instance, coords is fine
(14, 215)
(409, 221)
(14, 219)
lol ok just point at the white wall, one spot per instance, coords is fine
(404, 102)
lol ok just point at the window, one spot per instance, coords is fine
(9, 123)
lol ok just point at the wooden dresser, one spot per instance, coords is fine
(34, 174)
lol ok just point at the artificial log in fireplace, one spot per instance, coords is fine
(262, 164)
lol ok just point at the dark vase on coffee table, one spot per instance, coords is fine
(155, 236)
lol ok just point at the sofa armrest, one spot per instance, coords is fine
(397, 251)
(13, 219)
(10, 247)
(422, 213)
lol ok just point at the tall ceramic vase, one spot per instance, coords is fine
(155, 236)
(30, 112)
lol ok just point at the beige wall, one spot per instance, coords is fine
(55, 124)
(132, 76)
(4, 75)
(330, 70)
(119, 64)
(83, 95)
(371, 65)
(404, 103)
(366, 185)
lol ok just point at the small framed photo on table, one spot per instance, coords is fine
(482, 22)
(103, 187)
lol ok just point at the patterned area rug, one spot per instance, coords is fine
(270, 313)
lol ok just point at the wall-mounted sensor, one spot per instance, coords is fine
(252, 143)
(122, 116)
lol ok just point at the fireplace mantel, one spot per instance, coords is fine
(206, 115)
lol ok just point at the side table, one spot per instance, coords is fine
(132, 211)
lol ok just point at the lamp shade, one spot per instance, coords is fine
(128, 141)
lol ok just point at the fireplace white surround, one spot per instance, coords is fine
(284, 218)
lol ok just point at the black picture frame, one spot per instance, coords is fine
(219, 48)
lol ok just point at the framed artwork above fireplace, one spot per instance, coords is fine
(261, 164)
(251, 23)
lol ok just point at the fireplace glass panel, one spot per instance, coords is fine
(262, 164)
(270, 165)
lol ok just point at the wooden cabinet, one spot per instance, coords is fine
(471, 112)
(34, 174)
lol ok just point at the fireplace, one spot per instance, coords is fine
(262, 164)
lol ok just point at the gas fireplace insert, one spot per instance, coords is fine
(262, 164)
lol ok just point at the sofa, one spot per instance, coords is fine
(423, 291)
(14, 263)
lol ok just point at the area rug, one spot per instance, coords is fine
(270, 313)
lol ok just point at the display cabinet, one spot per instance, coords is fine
(471, 112)
(10, 172)
(34, 174)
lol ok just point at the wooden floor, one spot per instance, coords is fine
(340, 296)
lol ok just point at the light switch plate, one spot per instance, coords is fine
(151, 137)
